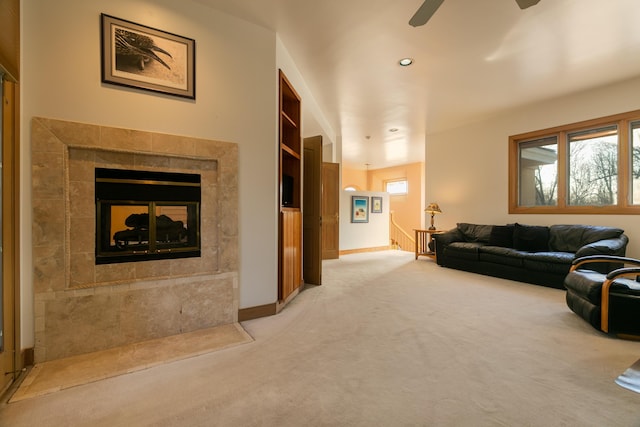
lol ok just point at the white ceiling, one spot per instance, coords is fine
(473, 59)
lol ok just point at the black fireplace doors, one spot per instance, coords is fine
(143, 215)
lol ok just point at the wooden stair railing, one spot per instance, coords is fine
(400, 239)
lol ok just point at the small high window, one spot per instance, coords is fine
(397, 187)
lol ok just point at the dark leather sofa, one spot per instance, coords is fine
(527, 253)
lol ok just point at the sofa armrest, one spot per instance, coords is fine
(448, 237)
(616, 246)
(442, 240)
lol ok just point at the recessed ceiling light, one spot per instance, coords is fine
(405, 62)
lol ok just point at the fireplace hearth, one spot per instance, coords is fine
(145, 215)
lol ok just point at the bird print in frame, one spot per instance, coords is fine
(142, 57)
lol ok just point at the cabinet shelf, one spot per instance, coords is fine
(290, 192)
(287, 209)
(288, 120)
(289, 151)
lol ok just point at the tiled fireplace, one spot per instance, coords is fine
(83, 306)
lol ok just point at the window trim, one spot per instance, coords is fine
(623, 205)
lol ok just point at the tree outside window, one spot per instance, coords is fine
(592, 167)
(635, 163)
(539, 172)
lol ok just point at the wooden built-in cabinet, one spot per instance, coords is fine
(290, 227)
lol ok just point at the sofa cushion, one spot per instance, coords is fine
(551, 257)
(531, 238)
(548, 262)
(475, 232)
(545, 267)
(502, 235)
(500, 255)
(570, 238)
(464, 250)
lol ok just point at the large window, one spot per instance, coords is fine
(589, 167)
(635, 162)
(593, 167)
(538, 174)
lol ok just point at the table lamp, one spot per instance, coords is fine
(433, 209)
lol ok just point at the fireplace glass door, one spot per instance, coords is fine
(136, 230)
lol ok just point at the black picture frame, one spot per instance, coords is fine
(376, 204)
(141, 57)
(359, 209)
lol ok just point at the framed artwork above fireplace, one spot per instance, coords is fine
(142, 57)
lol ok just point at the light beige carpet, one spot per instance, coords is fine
(385, 341)
(56, 375)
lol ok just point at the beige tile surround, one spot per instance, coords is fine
(81, 307)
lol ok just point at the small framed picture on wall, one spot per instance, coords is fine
(359, 209)
(376, 204)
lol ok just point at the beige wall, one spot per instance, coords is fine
(470, 178)
(354, 178)
(407, 210)
(372, 234)
(236, 101)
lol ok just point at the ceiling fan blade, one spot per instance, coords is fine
(425, 12)
(527, 3)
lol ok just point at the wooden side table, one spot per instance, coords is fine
(423, 238)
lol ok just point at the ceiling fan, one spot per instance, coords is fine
(429, 7)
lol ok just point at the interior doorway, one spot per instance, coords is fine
(330, 210)
(312, 211)
(321, 210)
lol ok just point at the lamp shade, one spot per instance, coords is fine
(433, 208)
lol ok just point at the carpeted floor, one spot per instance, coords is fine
(56, 375)
(385, 341)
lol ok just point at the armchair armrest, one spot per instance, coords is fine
(604, 258)
(606, 286)
(633, 272)
(610, 259)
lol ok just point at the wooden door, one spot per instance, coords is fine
(330, 210)
(312, 210)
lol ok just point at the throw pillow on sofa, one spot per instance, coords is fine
(475, 232)
(502, 235)
(531, 238)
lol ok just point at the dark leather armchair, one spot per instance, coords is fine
(609, 302)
